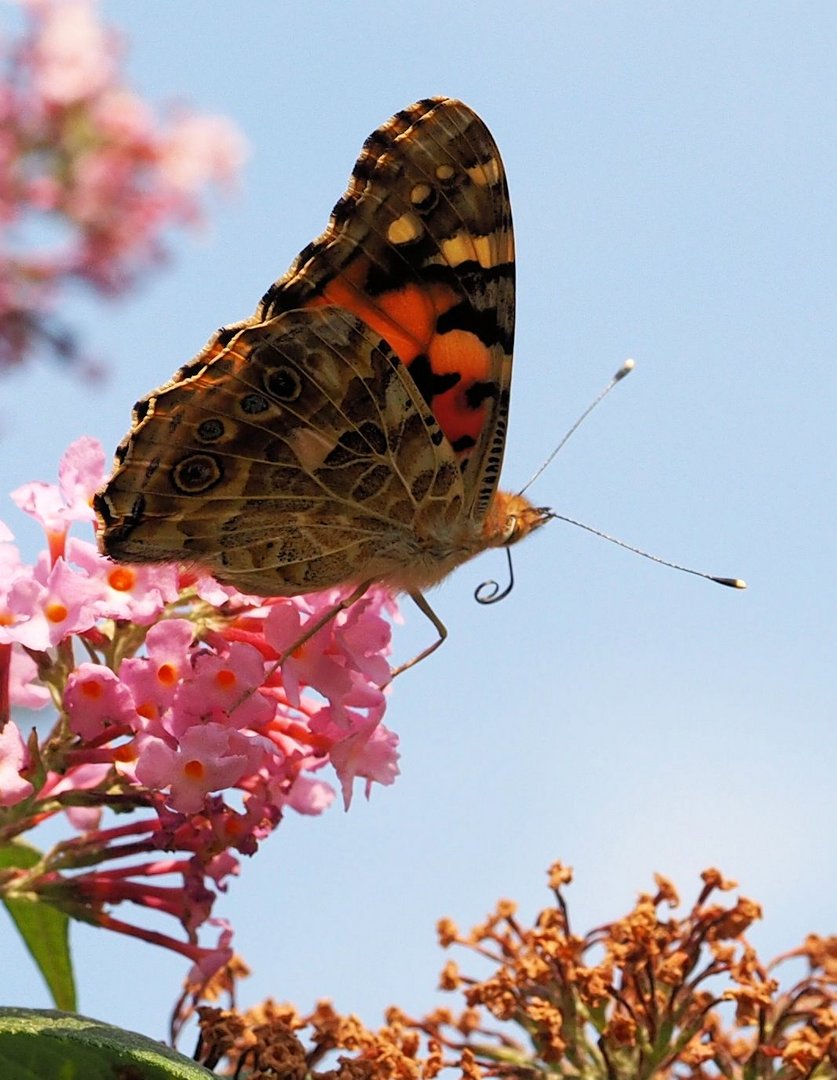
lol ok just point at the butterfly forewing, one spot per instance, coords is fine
(421, 248)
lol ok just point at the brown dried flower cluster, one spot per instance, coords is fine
(645, 996)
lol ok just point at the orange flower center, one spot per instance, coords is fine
(225, 679)
(92, 689)
(122, 579)
(56, 612)
(167, 674)
(193, 770)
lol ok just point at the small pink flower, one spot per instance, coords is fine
(83, 777)
(47, 611)
(314, 663)
(153, 679)
(213, 592)
(123, 117)
(200, 149)
(358, 745)
(208, 758)
(215, 691)
(364, 635)
(11, 568)
(310, 796)
(13, 757)
(80, 472)
(210, 961)
(73, 56)
(24, 688)
(371, 753)
(96, 699)
(136, 593)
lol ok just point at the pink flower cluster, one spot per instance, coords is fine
(170, 702)
(89, 178)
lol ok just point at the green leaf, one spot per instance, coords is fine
(37, 1044)
(45, 930)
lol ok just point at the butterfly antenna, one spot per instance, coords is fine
(732, 583)
(489, 592)
(624, 370)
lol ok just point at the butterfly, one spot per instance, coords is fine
(352, 430)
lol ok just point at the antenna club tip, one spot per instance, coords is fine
(625, 369)
(731, 582)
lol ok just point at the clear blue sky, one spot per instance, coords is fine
(672, 169)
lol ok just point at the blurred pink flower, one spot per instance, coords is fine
(124, 117)
(73, 56)
(80, 147)
(199, 149)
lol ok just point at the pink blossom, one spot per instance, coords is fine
(208, 757)
(78, 145)
(211, 961)
(96, 699)
(73, 56)
(124, 117)
(13, 757)
(24, 688)
(370, 752)
(50, 609)
(80, 472)
(313, 663)
(153, 679)
(171, 715)
(222, 689)
(137, 593)
(309, 795)
(201, 148)
(364, 635)
(84, 777)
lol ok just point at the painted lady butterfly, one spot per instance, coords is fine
(352, 430)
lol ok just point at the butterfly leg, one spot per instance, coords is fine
(423, 606)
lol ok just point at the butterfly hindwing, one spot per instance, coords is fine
(285, 463)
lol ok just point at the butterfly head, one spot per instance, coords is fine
(512, 517)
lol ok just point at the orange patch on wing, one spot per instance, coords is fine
(460, 351)
(405, 318)
(455, 417)
(463, 352)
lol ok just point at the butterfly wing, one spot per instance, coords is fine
(360, 413)
(421, 249)
(299, 457)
